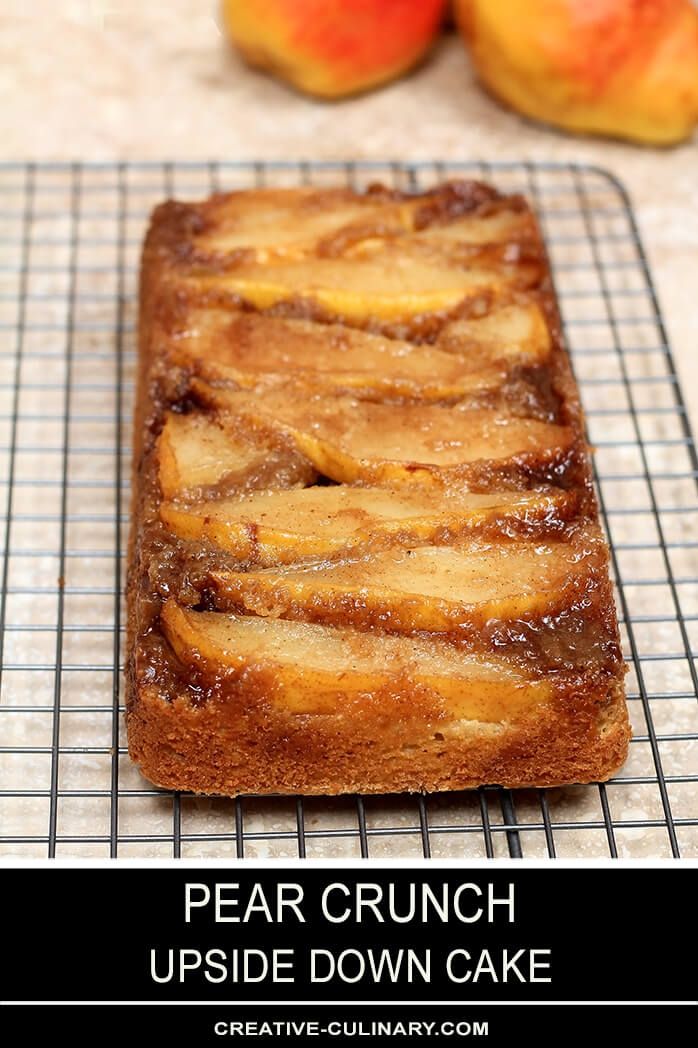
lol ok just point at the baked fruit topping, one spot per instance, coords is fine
(365, 551)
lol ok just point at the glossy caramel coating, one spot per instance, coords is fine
(447, 603)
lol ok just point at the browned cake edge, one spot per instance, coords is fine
(228, 746)
(215, 748)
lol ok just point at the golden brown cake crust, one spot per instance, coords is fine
(208, 723)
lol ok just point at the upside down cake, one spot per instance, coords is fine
(365, 551)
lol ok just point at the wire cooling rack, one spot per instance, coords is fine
(69, 244)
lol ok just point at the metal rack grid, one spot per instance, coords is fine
(69, 243)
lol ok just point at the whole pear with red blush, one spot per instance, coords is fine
(333, 48)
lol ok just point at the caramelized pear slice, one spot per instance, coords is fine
(248, 348)
(435, 588)
(286, 526)
(204, 457)
(312, 669)
(502, 226)
(195, 453)
(349, 440)
(275, 224)
(278, 223)
(401, 280)
(513, 334)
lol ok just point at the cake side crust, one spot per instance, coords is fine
(217, 749)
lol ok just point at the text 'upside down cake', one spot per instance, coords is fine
(365, 549)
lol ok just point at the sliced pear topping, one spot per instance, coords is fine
(306, 668)
(360, 288)
(513, 334)
(194, 452)
(285, 526)
(292, 223)
(248, 348)
(428, 588)
(273, 223)
(351, 440)
(396, 280)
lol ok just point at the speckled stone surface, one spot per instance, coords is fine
(104, 79)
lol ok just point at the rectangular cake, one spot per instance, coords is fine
(365, 550)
